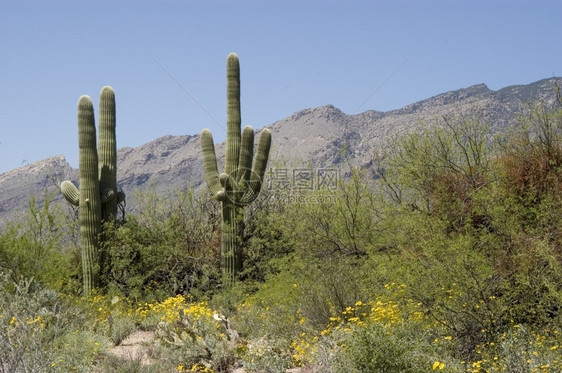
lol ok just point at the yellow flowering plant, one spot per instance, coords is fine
(195, 334)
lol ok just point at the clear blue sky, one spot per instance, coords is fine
(294, 54)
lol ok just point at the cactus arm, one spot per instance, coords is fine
(90, 205)
(246, 155)
(233, 120)
(262, 155)
(210, 163)
(70, 192)
(258, 172)
(107, 152)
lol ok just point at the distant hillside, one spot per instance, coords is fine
(309, 138)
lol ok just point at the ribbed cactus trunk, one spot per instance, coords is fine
(233, 115)
(231, 241)
(241, 182)
(90, 204)
(97, 197)
(107, 151)
(232, 213)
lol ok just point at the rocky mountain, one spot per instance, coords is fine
(19, 185)
(311, 138)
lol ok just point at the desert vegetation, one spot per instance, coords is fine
(448, 258)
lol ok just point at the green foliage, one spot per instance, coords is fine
(134, 364)
(272, 310)
(437, 171)
(452, 261)
(532, 159)
(169, 247)
(197, 336)
(521, 349)
(41, 332)
(373, 348)
(446, 223)
(33, 247)
(240, 183)
(455, 284)
(341, 223)
(267, 356)
(268, 240)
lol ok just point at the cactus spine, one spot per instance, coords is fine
(97, 197)
(241, 182)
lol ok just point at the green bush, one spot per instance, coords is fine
(169, 247)
(267, 356)
(35, 247)
(42, 332)
(452, 261)
(193, 335)
(373, 349)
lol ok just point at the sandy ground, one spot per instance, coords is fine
(135, 347)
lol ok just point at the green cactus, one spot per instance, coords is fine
(240, 183)
(107, 152)
(97, 197)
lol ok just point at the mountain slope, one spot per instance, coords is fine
(312, 137)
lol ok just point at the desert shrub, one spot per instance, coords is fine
(476, 282)
(169, 247)
(438, 170)
(42, 332)
(342, 222)
(267, 241)
(532, 157)
(78, 350)
(311, 270)
(536, 292)
(373, 348)
(272, 310)
(34, 247)
(327, 288)
(194, 336)
(333, 233)
(110, 316)
(455, 286)
(389, 333)
(115, 364)
(521, 349)
(25, 332)
(479, 225)
(267, 320)
(267, 356)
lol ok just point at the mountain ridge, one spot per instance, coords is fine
(314, 137)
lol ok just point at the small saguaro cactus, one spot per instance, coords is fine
(97, 197)
(240, 183)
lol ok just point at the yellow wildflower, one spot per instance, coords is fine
(438, 365)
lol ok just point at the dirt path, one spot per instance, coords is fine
(138, 344)
(135, 347)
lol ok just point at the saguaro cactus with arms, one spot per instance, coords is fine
(97, 197)
(241, 181)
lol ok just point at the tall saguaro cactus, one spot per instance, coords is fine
(97, 197)
(240, 183)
